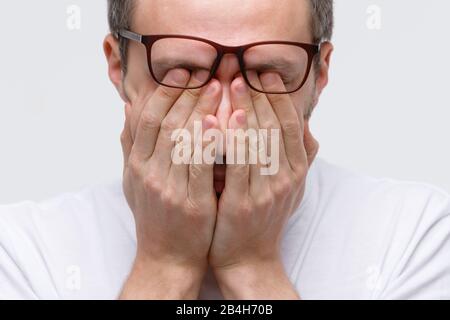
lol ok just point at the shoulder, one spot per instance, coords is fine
(360, 190)
(400, 228)
(67, 210)
(40, 242)
(380, 207)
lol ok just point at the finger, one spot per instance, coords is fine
(311, 144)
(155, 111)
(176, 119)
(241, 100)
(201, 174)
(206, 105)
(237, 173)
(290, 123)
(126, 138)
(268, 120)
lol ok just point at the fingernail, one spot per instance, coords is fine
(269, 78)
(201, 76)
(211, 88)
(241, 87)
(178, 77)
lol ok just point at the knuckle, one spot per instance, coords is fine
(264, 202)
(291, 128)
(268, 124)
(201, 110)
(166, 92)
(169, 124)
(152, 184)
(170, 200)
(277, 99)
(282, 187)
(299, 174)
(258, 96)
(134, 164)
(192, 94)
(149, 121)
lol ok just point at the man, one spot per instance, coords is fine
(199, 229)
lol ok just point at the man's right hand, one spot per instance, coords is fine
(174, 206)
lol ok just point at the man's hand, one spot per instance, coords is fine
(174, 206)
(254, 208)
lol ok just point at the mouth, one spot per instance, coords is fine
(220, 169)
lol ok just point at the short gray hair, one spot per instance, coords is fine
(120, 13)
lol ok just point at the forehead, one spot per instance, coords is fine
(229, 22)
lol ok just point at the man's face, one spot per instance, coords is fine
(231, 23)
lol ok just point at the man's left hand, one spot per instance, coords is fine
(254, 208)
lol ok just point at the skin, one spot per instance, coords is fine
(181, 225)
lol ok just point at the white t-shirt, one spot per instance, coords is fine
(353, 237)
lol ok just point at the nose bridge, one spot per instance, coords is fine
(229, 50)
(228, 66)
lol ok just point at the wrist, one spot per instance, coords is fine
(255, 281)
(150, 279)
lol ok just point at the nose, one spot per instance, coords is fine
(227, 71)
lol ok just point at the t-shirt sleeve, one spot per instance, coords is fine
(13, 283)
(422, 268)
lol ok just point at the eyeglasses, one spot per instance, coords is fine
(292, 61)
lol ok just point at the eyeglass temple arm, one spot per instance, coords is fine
(130, 35)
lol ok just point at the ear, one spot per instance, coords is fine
(113, 58)
(326, 51)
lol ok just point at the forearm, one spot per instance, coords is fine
(151, 281)
(263, 281)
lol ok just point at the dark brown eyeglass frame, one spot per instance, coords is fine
(148, 40)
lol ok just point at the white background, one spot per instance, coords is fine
(386, 111)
